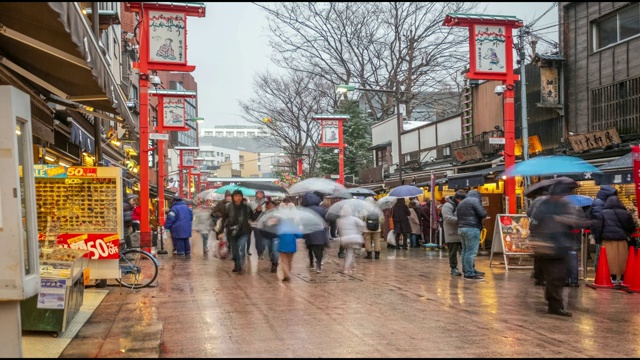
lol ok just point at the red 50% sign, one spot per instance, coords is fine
(101, 246)
(78, 171)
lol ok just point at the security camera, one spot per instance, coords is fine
(499, 90)
(155, 80)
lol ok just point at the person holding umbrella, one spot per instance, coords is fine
(401, 226)
(236, 224)
(350, 230)
(288, 234)
(316, 241)
(538, 274)
(270, 240)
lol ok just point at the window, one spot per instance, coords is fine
(220, 133)
(620, 26)
(616, 106)
(380, 156)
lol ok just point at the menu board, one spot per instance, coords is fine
(513, 231)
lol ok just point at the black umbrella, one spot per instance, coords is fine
(256, 185)
(544, 185)
(359, 191)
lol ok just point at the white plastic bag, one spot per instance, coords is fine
(391, 238)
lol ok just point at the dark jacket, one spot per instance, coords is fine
(533, 225)
(321, 237)
(470, 211)
(450, 222)
(401, 215)
(555, 233)
(179, 220)
(127, 213)
(237, 215)
(603, 194)
(614, 222)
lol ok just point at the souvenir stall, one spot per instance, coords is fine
(79, 217)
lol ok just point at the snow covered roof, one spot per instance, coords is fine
(409, 125)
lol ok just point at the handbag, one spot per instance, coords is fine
(218, 227)
(391, 220)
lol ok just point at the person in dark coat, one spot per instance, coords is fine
(237, 228)
(555, 218)
(470, 214)
(605, 192)
(538, 274)
(318, 240)
(270, 240)
(401, 225)
(611, 229)
(127, 214)
(179, 223)
(425, 221)
(451, 236)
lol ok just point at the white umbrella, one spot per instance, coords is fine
(386, 202)
(355, 207)
(320, 185)
(210, 195)
(307, 220)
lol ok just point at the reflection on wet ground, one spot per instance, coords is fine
(404, 305)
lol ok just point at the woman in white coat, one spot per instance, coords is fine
(350, 230)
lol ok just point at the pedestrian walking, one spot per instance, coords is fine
(371, 234)
(414, 222)
(237, 229)
(470, 214)
(450, 224)
(556, 218)
(259, 202)
(179, 223)
(316, 241)
(401, 225)
(270, 240)
(288, 234)
(203, 224)
(127, 215)
(350, 230)
(534, 233)
(135, 215)
(425, 221)
(612, 229)
(217, 214)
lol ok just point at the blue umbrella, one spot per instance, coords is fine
(551, 165)
(579, 200)
(406, 191)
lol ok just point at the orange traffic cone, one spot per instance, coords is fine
(630, 269)
(603, 276)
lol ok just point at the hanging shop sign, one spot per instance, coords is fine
(594, 140)
(174, 112)
(467, 153)
(330, 130)
(511, 236)
(167, 37)
(187, 158)
(549, 85)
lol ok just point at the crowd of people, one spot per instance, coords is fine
(234, 222)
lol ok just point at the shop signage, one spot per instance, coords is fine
(101, 246)
(330, 132)
(490, 46)
(187, 158)
(549, 85)
(86, 275)
(511, 237)
(534, 146)
(52, 294)
(496, 140)
(77, 171)
(158, 136)
(173, 112)
(594, 140)
(49, 171)
(467, 153)
(167, 37)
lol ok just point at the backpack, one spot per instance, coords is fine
(373, 222)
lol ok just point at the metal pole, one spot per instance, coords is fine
(97, 122)
(400, 128)
(523, 104)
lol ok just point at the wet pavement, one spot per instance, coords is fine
(403, 305)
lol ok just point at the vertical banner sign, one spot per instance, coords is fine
(330, 133)
(490, 49)
(511, 236)
(636, 174)
(174, 112)
(187, 158)
(167, 37)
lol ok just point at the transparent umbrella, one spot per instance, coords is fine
(354, 207)
(210, 195)
(307, 220)
(320, 185)
(386, 202)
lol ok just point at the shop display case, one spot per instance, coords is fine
(61, 291)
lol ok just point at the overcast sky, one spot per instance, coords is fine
(230, 45)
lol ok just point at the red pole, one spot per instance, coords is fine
(145, 234)
(181, 176)
(160, 145)
(188, 183)
(636, 173)
(341, 154)
(299, 166)
(509, 125)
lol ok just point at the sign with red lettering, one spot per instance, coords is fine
(82, 171)
(101, 246)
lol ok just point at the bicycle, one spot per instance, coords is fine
(138, 268)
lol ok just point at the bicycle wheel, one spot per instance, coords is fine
(138, 269)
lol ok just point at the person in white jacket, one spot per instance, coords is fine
(350, 230)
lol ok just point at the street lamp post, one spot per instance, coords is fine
(344, 88)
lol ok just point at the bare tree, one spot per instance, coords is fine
(375, 45)
(290, 100)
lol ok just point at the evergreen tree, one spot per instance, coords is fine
(357, 138)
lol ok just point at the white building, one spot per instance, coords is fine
(267, 157)
(235, 131)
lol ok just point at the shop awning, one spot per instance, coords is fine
(472, 179)
(618, 171)
(428, 183)
(51, 45)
